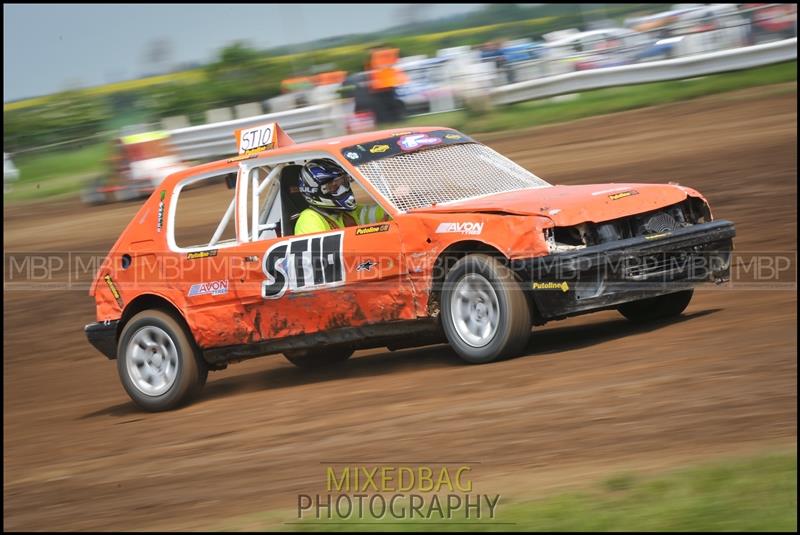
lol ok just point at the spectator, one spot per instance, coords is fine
(384, 78)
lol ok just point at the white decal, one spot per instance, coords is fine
(466, 227)
(612, 190)
(415, 141)
(209, 288)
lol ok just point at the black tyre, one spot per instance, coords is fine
(655, 308)
(485, 314)
(158, 362)
(93, 198)
(92, 195)
(128, 193)
(316, 359)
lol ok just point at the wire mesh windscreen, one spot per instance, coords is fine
(440, 175)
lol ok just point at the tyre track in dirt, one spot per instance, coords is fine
(594, 393)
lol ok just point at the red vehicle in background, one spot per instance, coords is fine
(771, 22)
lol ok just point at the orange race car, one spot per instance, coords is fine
(458, 244)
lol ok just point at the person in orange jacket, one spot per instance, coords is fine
(385, 77)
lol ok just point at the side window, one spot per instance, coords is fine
(204, 215)
(264, 202)
(275, 207)
(361, 195)
(363, 198)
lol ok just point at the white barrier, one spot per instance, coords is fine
(327, 120)
(216, 139)
(654, 71)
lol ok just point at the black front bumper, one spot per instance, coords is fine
(606, 275)
(103, 336)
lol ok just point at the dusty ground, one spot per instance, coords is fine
(594, 394)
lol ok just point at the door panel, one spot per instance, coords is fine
(316, 282)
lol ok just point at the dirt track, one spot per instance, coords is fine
(594, 393)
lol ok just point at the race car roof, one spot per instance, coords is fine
(331, 145)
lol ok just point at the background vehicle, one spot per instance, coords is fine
(595, 48)
(138, 164)
(692, 29)
(357, 103)
(506, 56)
(770, 22)
(427, 85)
(10, 172)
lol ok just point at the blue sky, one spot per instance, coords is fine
(49, 48)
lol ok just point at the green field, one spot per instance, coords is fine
(750, 494)
(63, 173)
(58, 173)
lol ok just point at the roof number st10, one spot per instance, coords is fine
(259, 137)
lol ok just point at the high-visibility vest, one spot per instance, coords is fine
(312, 220)
(383, 72)
(388, 78)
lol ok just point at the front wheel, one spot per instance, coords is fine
(158, 363)
(93, 194)
(125, 194)
(485, 314)
(655, 308)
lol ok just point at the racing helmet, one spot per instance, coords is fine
(324, 184)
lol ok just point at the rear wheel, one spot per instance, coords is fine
(485, 314)
(92, 194)
(127, 193)
(655, 308)
(158, 363)
(314, 359)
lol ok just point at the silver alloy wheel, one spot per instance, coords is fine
(152, 360)
(475, 310)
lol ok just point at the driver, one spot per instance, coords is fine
(331, 204)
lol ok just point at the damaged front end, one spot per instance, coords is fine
(592, 266)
